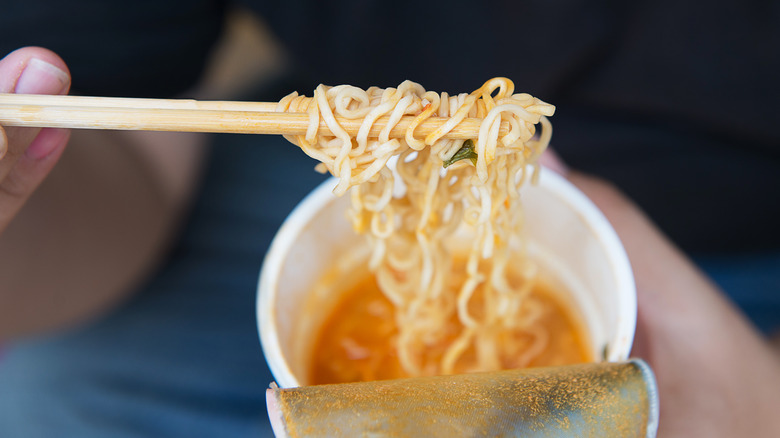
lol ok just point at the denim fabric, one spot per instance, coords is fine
(752, 282)
(182, 358)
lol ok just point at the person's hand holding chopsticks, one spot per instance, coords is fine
(27, 155)
(82, 233)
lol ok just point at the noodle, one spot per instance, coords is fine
(412, 234)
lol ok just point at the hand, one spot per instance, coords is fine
(75, 245)
(717, 376)
(27, 155)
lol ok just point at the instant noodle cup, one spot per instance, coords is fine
(316, 249)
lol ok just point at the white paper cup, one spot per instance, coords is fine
(567, 235)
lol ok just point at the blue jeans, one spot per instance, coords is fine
(752, 282)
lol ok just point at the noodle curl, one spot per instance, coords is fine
(413, 232)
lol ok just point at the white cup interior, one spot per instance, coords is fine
(567, 235)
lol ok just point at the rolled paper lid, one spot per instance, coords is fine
(586, 400)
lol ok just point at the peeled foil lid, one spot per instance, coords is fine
(586, 400)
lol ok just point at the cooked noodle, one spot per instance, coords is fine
(411, 235)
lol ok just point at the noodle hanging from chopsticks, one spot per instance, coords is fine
(448, 184)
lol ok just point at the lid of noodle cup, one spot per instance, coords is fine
(596, 399)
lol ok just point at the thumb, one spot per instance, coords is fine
(27, 155)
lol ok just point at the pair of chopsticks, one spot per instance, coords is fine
(80, 112)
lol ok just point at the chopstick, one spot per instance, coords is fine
(183, 115)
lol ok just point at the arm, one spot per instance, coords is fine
(78, 242)
(717, 376)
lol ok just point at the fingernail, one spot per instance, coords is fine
(40, 77)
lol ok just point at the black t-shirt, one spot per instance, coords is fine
(673, 100)
(143, 48)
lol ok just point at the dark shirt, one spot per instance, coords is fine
(143, 48)
(673, 101)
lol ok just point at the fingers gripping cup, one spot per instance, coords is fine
(316, 250)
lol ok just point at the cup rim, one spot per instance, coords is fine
(556, 184)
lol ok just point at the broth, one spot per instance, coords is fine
(355, 342)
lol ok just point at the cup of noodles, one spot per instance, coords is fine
(317, 264)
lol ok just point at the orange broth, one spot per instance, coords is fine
(356, 339)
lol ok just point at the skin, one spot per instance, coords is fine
(78, 237)
(74, 245)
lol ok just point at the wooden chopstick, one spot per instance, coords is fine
(81, 112)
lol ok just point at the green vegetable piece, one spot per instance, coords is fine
(465, 152)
